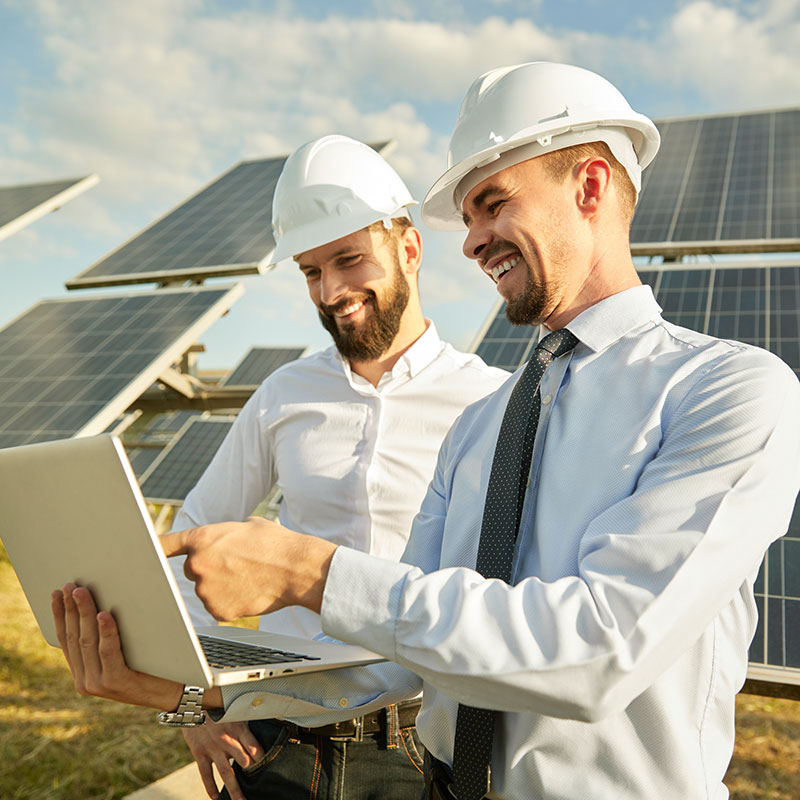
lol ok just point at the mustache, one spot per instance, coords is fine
(495, 248)
(345, 302)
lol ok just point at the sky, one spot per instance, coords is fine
(159, 97)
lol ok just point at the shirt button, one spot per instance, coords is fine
(257, 702)
(343, 702)
(547, 398)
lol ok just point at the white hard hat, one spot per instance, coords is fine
(515, 113)
(329, 188)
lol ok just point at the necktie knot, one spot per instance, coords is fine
(558, 342)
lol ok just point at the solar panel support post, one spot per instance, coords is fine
(180, 382)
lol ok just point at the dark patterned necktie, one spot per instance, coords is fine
(505, 495)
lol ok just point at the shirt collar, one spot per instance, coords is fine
(605, 322)
(411, 363)
(421, 353)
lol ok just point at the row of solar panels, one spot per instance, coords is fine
(721, 183)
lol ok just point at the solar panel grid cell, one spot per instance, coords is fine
(260, 363)
(179, 466)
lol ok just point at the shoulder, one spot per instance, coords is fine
(741, 377)
(472, 364)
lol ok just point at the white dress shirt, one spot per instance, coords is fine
(352, 460)
(665, 463)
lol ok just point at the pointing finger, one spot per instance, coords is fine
(177, 543)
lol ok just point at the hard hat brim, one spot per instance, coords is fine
(439, 209)
(329, 229)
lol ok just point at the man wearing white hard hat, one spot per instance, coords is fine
(350, 435)
(576, 596)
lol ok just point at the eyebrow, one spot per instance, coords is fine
(343, 251)
(480, 199)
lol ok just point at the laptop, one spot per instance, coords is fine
(73, 511)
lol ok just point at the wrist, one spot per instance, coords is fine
(212, 699)
(316, 561)
(189, 712)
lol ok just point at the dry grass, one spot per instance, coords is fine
(766, 761)
(56, 745)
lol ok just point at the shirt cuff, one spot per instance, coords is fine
(361, 600)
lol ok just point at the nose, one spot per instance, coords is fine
(332, 287)
(476, 240)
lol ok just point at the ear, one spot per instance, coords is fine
(411, 250)
(594, 178)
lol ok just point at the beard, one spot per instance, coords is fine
(375, 335)
(528, 307)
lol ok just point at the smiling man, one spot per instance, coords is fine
(350, 435)
(576, 595)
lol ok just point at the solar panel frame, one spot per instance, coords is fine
(722, 183)
(61, 404)
(259, 363)
(198, 235)
(757, 302)
(171, 476)
(94, 277)
(16, 212)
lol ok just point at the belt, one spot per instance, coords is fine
(376, 722)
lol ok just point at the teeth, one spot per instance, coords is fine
(349, 310)
(504, 267)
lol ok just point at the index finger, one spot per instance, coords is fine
(176, 544)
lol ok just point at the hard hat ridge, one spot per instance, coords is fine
(329, 188)
(511, 114)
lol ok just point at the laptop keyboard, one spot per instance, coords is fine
(223, 654)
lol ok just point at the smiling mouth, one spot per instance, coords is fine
(344, 314)
(500, 269)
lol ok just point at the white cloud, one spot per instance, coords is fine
(158, 98)
(734, 58)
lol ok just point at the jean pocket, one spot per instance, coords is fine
(413, 747)
(272, 737)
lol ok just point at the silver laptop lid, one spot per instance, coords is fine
(72, 508)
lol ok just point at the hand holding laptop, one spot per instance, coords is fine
(242, 569)
(91, 645)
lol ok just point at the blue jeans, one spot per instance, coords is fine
(314, 767)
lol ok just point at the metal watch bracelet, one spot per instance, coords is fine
(189, 712)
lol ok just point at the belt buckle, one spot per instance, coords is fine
(357, 735)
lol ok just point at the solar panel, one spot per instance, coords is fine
(145, 440)
(23, 204)
(141, 458)
(163, 427)
(179, 466)
(69, 367)
(224, 229)
(259, 364)
(757, 304)
(722, 183)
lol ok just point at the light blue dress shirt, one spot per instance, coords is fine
(665, 463)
